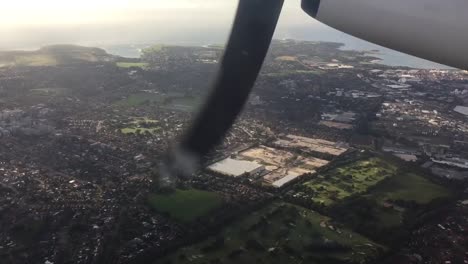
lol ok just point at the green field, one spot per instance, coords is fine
(154, 49)
(186, 205)
(142, 98)
(172, 101)
(142, 65)
(182, 103)
(409, 187)
(365, 214)
(141, 126)
(380, 214)
(54, 55)
(280, 233)
(345, 181)
(35, 60)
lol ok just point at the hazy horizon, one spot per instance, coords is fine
(30, 24)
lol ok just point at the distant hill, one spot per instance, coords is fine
(55, 55)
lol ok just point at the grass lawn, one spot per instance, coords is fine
(29, 60)
(186, 103)
(141, 98)
(186, 205)
(141, 125)
(345, 181)
(35, 60)
(280, 233)
(154, 48)
(410, 187)
(142, 65)
(369, 213)
(140, 131)
(174, 101)
(217, 46)
(388, 218)
(138, 99)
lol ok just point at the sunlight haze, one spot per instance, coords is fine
(52, 12)
(27, 24)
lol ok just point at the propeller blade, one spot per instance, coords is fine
(250, 38)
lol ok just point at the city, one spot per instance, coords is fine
(336, 158)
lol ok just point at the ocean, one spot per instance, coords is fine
(128, 42)
(387, 56)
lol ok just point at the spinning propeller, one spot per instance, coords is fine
(431, 29)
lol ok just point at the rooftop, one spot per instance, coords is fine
(235, 167)
(461, 109)
(284, 180)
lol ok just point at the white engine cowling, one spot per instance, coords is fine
(435, 30)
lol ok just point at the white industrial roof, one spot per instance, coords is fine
(235, 167)
(285, 179)
(461, 109)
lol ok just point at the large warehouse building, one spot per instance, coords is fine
(235, 168)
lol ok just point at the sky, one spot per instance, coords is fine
(33, 23)
(30, 24)
(69, 12)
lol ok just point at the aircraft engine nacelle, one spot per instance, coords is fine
(435, 30)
